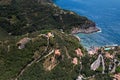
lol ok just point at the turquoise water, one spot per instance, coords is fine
(105, 13)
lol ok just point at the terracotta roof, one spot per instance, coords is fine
(24, 41)
(50, 34)
(117, 76)
(79, 52)
(107, 55)
(57, 52)
(75, 61)
(96, 49)
(91, 52)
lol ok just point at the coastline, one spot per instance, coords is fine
(77, 37)
(89, 26)
(86, 31)
(99, 37)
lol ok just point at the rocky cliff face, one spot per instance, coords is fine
(89, 27)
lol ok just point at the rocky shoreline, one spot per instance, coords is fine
(87, 28)
(86, 31)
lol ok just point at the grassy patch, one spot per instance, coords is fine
(3, 34)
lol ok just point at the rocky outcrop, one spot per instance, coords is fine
(76, 30)
(88, 27)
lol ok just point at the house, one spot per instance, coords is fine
(117, 76)
(93, 50)
(107, 55)
(21, 44)
(79, 52)
(50, 35)
(75, 61)
(57, 52)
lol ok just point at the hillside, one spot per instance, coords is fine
(37, 53)
(36, 44)
(49, 55)
(22, 16)
(3, 34)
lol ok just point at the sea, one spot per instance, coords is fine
(106, 15)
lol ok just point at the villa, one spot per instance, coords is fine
(79, 52)
(21, 44)
(75, 61)
(107, 55)
(50, 35)
(117, 76)
(93, 50)
(57, 52)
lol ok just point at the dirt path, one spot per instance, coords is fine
(66, 51)
(33, 61)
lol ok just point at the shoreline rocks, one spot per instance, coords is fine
(87, 28)
(86, 31)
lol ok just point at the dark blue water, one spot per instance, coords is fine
(105, 13)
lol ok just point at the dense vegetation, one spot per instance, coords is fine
(34, 19)
(13, 60)
(25, 16)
